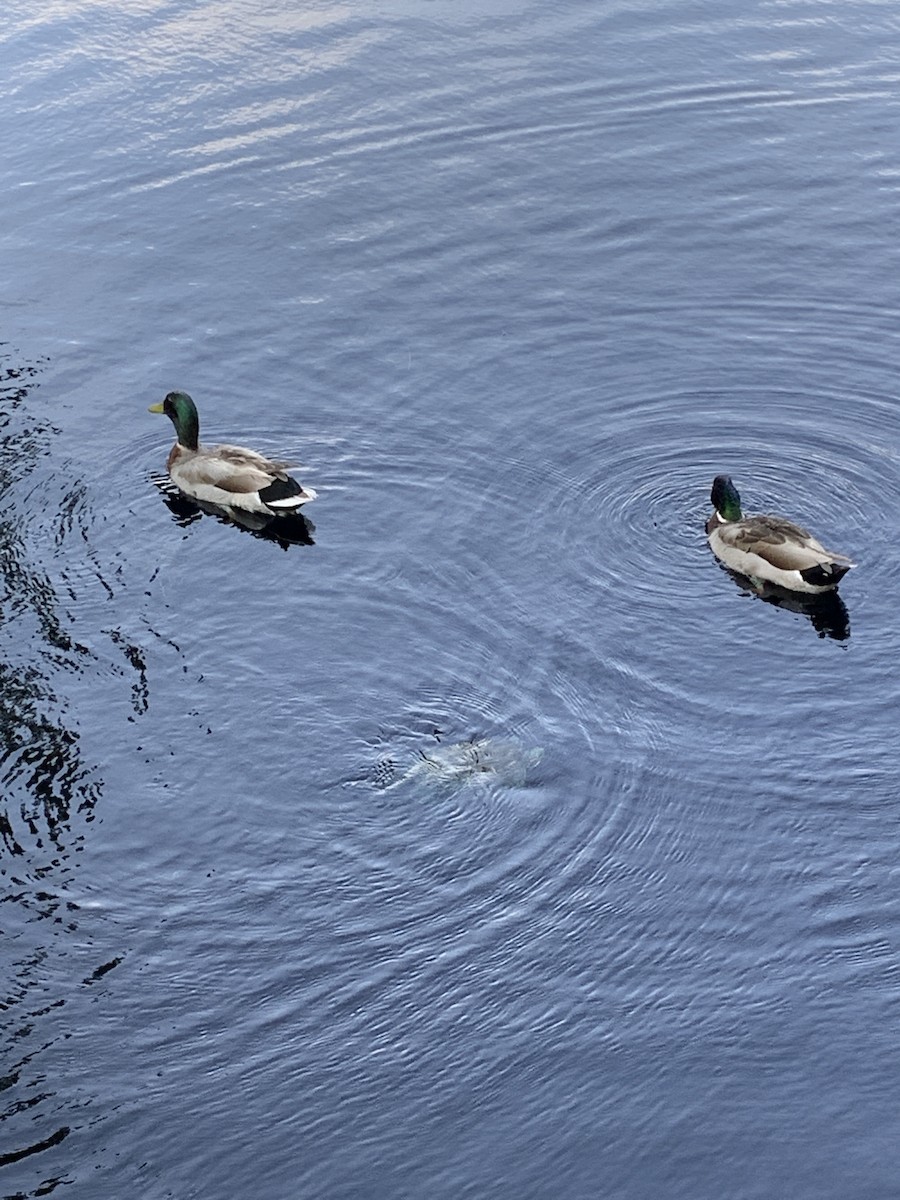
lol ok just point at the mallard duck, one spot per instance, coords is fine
(769, 549)
(227, 476)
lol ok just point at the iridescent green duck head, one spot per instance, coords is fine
(182, 412)
(726, 499)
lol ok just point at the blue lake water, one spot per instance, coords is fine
(494, 844)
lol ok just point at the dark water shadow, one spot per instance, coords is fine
(43, 773)
(826, 612)
(48, 794)
(286, 530)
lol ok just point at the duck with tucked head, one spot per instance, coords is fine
(770, 549)
(227, 476)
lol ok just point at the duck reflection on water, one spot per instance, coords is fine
(826, 612)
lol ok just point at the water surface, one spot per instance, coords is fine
(512, 286)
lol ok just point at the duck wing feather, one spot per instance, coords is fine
(787, 546)
(230, 468)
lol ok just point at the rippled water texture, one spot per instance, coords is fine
(482, 838)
